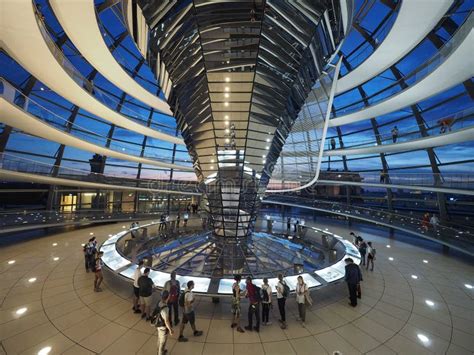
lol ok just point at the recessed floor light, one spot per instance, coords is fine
(429, 303)
(423, 338)
(45, 351)
(10, 262)
(83, 244)
(91, 233)
(33, 279)
(414, 277)
(20, 311)
(55, 258)
(468, 286)
(425, 261)
(388, 246)
(390, 258)
(55, 244)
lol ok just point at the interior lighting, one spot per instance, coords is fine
(226, 95)
(10, 262)
(388, 246)
(414, 277)
(91, 233)
(469, 286)
(429, 303)
(20, 311)
(33, 279)
(226, 117)
(227, 130)
(227, 79)
(267, 147)
(268, 140)
(55, 258)
(425, 261)
(226, 103)
(423, 338)
(390, 258)
(55, 244)
(42, 88)
(227, 88)
(45, 351)
(226, 123)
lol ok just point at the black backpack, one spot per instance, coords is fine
(258, 294)
(182, 295)
(286, 290)
(265, 296)
(158, 321)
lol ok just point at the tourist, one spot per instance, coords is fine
(383, 177)
(266, 302)
(353, 236)
(145, 290)
(302, 297)
(434, 221)
(395, 134)
(185, 219)
(254, 296)
(178, 220)
(333, 143)
(283, 291)
(236, 310)
(353, 277)
(133, 230)
(98, 272)
(186, 301)
(173, 288)
(425, 221)
(363, 250)
(162, 322)
(136, 290)
(90, 250)
(370, 256)
(288, 224)
(446, 124)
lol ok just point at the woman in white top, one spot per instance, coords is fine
(301, 292)
(266, 302)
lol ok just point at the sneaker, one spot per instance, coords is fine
(99, 289)
(257, 329)
(197, 333)
(303, 324)
(269, 323)
(182, 339)
(143, 315)
(137, 311)
(240, 330)
(248, 328)
(148, 319)
(298, 319)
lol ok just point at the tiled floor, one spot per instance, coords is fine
(48, 302)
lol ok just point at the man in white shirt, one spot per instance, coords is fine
(434, 221)
(136, 296)
(188, 312)
(281, 299)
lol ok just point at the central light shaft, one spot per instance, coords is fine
(236, 74)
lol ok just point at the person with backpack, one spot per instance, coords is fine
(136, 290)
(283, 292)
(255, 297)
(370, 256)
(98, 272)
(236, 310)
(90, 249)
(173, 288)
(145, 290)
(266, 302)
(162, 322)
(363, 250)
(186, 301)
(302, 297)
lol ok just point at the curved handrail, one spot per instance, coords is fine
(15, 163)
(31, 106)
(416, 74)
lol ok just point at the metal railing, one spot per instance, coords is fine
(13, 162)
(461, 237)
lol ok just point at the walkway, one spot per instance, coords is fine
(414, 302)
(457, 239)
(458, 136)
(27, 41)
(79, 21)
(14, 116)
(414, 21)
(456, 65)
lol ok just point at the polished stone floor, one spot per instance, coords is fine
(415, 302)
